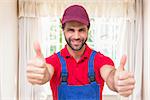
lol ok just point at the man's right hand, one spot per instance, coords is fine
(38, 72)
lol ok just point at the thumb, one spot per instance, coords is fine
(122, 63)
(37, 49)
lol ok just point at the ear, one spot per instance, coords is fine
(61, 25)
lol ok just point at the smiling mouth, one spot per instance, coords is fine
(76, 42)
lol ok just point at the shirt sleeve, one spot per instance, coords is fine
(103, 60)
(99, 61)
(53, 60)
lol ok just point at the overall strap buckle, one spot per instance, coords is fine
(92, 78)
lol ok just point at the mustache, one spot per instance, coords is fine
(79, 39)
(76, 39)
(69, 43)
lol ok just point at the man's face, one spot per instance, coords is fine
(76, 34)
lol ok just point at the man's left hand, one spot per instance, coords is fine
(124, 81)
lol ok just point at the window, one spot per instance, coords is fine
(103, 35)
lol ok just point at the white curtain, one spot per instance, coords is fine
(129, 42)
(138, 51)
(35, 8)
(29, 32)
(133, 46)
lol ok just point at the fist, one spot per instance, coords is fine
(37, 70)
(124, 81)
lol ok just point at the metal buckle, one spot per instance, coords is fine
(64, 79)
(92, 78)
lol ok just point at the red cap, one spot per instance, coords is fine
(76, 13)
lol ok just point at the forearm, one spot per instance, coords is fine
(118, 80)
(50, 70)
(107, 72)
(110, 80)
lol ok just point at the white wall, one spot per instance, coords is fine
(8, 49)
(146, 72)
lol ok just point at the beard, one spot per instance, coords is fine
(76, 47)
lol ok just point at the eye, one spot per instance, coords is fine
(82, 30)
(70, 30)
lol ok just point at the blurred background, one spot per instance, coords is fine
(117, 27)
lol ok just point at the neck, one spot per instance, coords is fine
(76, 54)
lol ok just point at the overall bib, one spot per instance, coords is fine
(89, 91)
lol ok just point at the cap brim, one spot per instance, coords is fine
(81, 20)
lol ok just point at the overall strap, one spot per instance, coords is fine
(91, 73)
(64, 73)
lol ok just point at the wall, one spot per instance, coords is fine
(146, 66)
(8, 49)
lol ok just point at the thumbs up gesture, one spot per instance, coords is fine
(124, 81)
(37, 69)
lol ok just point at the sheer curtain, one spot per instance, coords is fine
(138, 51)
(127, 14)
(29, 32)
(133, 46)
(27, 35)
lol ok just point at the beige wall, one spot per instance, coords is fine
(8, 49)
(110, 97)
(146, 71)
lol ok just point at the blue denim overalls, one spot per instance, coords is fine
(89, 91)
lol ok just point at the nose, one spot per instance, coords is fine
(76, 35)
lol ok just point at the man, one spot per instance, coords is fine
(78, 72)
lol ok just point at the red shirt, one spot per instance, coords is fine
(77, 71)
